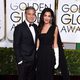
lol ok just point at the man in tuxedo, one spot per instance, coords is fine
(24, 44)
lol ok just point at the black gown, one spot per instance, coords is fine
(45, 56)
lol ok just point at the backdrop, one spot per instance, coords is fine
(67, 18)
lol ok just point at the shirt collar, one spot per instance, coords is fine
(27, 22)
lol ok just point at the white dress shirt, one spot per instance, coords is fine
(32, 30)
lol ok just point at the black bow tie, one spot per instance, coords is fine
(30, 25)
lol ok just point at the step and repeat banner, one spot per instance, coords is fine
(68, 20)
(67, 14)
(15, 15)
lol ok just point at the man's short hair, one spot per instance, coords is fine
(28, 8)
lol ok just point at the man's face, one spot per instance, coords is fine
(30, 15)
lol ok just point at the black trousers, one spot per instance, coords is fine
(26, 71)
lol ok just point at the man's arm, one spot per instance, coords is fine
(17, 43)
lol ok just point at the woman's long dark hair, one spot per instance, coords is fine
(41, 23)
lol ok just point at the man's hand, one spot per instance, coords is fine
(20, 62)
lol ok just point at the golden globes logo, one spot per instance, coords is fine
(39, 7)
(17, 15)
(71, 18)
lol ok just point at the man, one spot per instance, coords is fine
(25, 45)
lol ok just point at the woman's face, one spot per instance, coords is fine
(47, 17)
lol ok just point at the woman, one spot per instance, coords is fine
(50, 53)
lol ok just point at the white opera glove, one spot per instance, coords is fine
(56, 50)
(36, 49)
(20, 62)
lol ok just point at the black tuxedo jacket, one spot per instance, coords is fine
(23, 44)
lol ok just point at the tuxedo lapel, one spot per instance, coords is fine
(28, 31)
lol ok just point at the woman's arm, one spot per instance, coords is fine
(38, 43)
(56, 49)
(55, 38)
